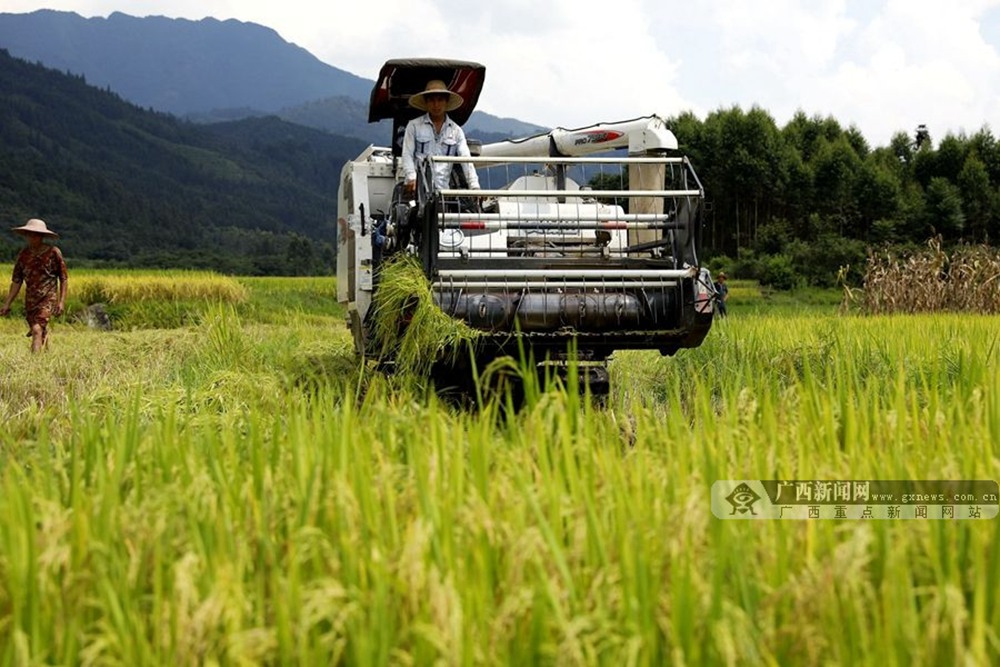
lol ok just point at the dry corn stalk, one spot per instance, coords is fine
(966, 280)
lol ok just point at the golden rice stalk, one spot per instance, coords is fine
(131, 287)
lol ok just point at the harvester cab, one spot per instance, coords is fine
(578, 242)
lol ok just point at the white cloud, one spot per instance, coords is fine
(572, 75)
(917, 63)
(784, 38)
(562, 62)
(881, 65)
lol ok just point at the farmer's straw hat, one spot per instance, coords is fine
(34, 226)
(436, 87)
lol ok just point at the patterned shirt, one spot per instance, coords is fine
(420, 140)
(41, 275)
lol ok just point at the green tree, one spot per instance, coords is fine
(987, 149)
(902, 147)
(836, 167)
(877, 192)
(943, 212)
(977, 196)
(857, 141)
(745, 170)
(797, 196)
(951, 154)
(806, 133)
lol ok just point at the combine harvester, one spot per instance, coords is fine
(536, 260)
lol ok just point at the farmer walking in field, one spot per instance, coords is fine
(41, 268)
(721, 294)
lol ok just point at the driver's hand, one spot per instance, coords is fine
(410, 187)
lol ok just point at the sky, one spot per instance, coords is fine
(883, 66)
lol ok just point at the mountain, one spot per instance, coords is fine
(177, 65)
(345, 116)
(210, 70)
(132, 186)
(93, 138)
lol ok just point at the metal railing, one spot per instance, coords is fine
(535, 225)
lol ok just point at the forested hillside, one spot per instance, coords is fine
(211, 70)
(787, 205)
(130, 186)
(793, 204)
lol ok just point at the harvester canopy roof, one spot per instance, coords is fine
(400, 78)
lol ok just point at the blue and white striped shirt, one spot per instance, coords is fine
(420, 141)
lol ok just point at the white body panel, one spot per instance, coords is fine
(365, 191)
(640, 135)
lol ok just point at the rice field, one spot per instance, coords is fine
(231, 486)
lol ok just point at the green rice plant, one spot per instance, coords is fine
(744, 290)
(180, 497)
(748, 297)
(407, 326)
(276, 299)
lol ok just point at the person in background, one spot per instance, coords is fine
(434, 133)
(41, 268)
(721, 294)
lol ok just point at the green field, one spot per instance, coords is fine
(219, 481)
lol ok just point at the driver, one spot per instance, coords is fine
(434, 133)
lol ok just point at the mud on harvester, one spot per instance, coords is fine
(536, 260)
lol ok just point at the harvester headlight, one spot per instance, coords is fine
(451, 239)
